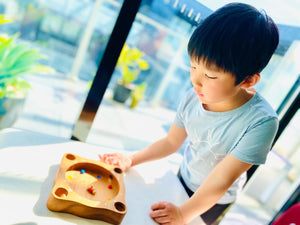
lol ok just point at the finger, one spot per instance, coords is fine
(101, 158)
(158, 205)
(115, 161)
(157, 213)
(108, 160)
(106, 155)
(112, 159)
(162, 219)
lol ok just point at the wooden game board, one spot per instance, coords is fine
(89, 189)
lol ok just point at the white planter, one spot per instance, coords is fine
(10, 110)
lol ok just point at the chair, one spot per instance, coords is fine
(290, 217)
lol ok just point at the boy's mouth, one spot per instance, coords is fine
(198, 93)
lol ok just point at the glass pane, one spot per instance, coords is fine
(273, 183)
(161, 31)
(163, 40)
(283, 70)
(276, 84)
(72, 36)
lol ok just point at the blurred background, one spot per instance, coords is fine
(73, 36)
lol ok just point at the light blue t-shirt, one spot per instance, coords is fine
(246, 132)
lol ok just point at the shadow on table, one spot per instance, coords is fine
(25, 223)
(27, 138)
(41, 209)
(140, 195)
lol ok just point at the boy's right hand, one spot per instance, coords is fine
(117, 159)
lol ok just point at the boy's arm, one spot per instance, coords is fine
(161, 148)
(207, 195)
(214, 187)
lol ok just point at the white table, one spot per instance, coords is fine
(29, 162)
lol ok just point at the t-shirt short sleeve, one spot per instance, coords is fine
(183, 105)
(178, 121)
(256, 142)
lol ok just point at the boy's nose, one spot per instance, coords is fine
(198, 82)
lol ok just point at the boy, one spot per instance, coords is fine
(230, 126)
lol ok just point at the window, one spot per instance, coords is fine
(72, 35)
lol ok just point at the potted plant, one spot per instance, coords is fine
(16, 61)
(130, 64)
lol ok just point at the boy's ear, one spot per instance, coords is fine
(250, 81)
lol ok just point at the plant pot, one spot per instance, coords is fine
(121, 92)
(10, 110)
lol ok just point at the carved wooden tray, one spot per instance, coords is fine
(89, 189)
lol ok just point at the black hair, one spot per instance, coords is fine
(236, 38)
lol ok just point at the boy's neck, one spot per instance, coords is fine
(242, 97)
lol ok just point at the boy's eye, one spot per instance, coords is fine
(210, 77)
(193, 67)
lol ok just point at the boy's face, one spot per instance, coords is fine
(213, 86)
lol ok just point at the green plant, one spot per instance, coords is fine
(3, 19)
(138, 94)
(131, 63)
(16, 61)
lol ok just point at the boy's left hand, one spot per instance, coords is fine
(166, 213)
